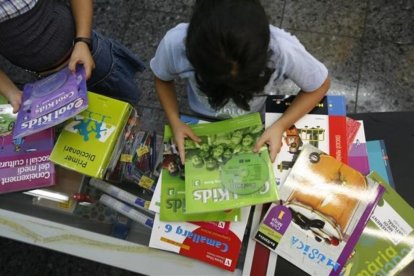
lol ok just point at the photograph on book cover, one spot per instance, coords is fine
(324, 127)
(222, 171)
(172, 189)
(324, 207)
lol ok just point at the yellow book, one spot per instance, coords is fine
(87, 141)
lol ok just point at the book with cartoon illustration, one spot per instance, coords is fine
(7, 119)
(172, 196)
(218, 244)
(324, 127)
(51, 101)
(222, 172)
(24, 162)
(324, 206)
(87, 141)
(386, 244)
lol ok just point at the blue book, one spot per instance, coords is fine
(378, 160)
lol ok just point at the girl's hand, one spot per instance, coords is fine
(15, 99)
(182, 131)
(272, 136)
(82, 55)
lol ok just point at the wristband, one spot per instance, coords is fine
(84, 40)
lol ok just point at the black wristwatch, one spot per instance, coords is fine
(86, 40)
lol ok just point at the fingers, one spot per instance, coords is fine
(273, 151)
(72, 65)
(274, 145)
(259, 144)
(88, 70)
(16, 108)
(181, 150)
(16, 101)
(82, 55)
(193, 137)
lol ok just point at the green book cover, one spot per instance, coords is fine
(3, 100)
(87, 140)
(173, 203)
(222, 172)
(386, 244)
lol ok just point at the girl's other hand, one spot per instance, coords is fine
(272, 136)
(82, 55)
(181, 132)
(15, 99)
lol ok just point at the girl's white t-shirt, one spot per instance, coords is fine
(289, 58)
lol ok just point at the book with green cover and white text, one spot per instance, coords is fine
(222, 172)
(87, 141)
(173, 201)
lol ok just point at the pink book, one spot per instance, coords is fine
(24, 162)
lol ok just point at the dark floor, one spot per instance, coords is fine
(367, 45)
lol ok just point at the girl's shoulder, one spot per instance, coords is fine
(177, 34)
(282, 38)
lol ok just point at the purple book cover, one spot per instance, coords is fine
(24, 162)
(353, 239)
(51, 100)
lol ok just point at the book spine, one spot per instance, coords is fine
(337, 138)
(261, 254)
(125, 113)
(338, 145)
(378, 160)
(127, 210)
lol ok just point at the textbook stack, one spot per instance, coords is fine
(384, 246)
(97, 137)
(307, 212)
(203, 206)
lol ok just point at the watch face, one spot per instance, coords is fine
(244, 173)
(49, 84)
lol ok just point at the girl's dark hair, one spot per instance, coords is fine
(228, 45)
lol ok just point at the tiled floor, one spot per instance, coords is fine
(367, 45)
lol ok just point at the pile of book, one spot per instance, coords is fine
(326, 206)
(202, 207)
(338, 214)
(63, 135)
(333, 205)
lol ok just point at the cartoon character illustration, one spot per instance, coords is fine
(7, 119)
(84, 127)
(294, 138)
(172, 164)
(18, 142)
(98, 127)
(312, 135)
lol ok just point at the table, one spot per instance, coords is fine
(91, 240)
